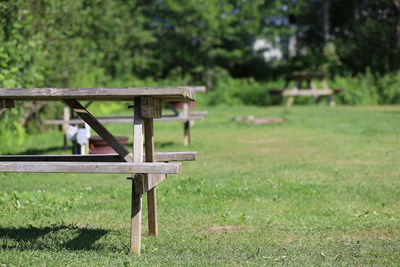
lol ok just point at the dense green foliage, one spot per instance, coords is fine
(80, 43)
(84, 43)
(365, 34)
(321, 189)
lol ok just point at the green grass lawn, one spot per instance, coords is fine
(323, 188)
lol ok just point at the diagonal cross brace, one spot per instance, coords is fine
(99, 129)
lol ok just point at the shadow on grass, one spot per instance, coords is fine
(68, 237)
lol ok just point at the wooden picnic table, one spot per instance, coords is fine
(146, 167)
(304, 86)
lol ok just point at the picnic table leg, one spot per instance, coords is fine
(290, 101)
(331, 101)
(186, 125)
(66, 118)
(151, 194)
(186, 130)
(136, 208)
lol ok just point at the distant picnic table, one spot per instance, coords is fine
(304, 86)
(146, 168)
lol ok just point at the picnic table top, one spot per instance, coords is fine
(303, 75)
(119, 94)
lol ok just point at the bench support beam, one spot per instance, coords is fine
(88, 167)
(99, 128)
(136, 203)
(152, 192)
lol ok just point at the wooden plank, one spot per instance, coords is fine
(66, 118)
(120, 94)
(64, 158)
(136, 205)
(126, 119)
(99, 129)
(88, 167)
(158, 156)
(136, 222)
(186, 133)
(152, 180)
(186, 125)
(307, 92)
(150, 107)
(175, 156)
(181, 118)
(7, 103)
(196, 88)
(152, 193)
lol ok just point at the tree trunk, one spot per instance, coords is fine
(327, 24)
(397, 5)
(31, 109)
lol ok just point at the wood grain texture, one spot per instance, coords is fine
(152, 193)
(150, 107)
(121, 94)
(186, 133)
(99, 128)
(196, 88)
(125, 119)
(136, 203)
(158, 156)
(307, 92)
(152, 181)
(88, 167)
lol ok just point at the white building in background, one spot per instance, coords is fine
(269, 51)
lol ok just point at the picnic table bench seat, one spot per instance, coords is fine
(305, 87)
(89, 167)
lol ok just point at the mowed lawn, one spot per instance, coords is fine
(322, 188)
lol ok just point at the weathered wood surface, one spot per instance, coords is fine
(196, 88)
(153, 180)
(99, 128)
(307, 92)
(136, 203)
(158, 156)
(186, 125)
(191, 117)
(151, 191)
(125, 119)
(88, 167)
(186, 133)
(120, 94)
(151, 107)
